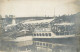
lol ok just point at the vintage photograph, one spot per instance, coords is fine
(39, 25)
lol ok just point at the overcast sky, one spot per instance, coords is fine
(21, 8)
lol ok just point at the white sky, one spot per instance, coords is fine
(24, 8)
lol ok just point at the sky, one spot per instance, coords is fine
(29, 8)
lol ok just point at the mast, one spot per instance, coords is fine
(54, 12)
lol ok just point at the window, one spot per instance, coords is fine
(40, 43)
(44, 44)
(40, 34)
(37, 34)
(34, 34)
(43, 34)
(49, 34)
(46, 34)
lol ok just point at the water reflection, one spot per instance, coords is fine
(43, 46)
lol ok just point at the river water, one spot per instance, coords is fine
(40, 45)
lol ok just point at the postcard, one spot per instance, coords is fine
(39, 25)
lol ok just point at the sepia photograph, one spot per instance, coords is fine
(39, 25)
